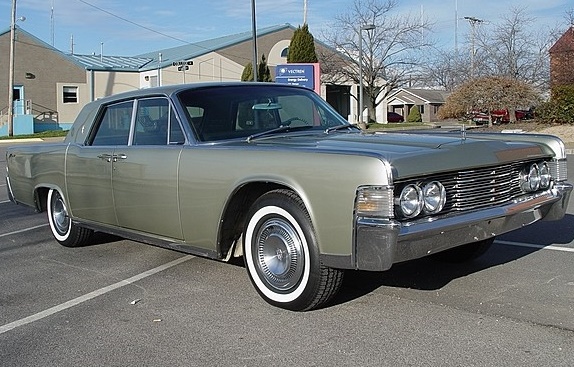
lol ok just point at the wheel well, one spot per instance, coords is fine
(233, 220)
(41, 198)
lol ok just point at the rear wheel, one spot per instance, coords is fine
(282, 256)
(466, 252)
(66, 232)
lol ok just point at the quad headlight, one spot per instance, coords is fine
(536, 176)
(545, 176)
(426, 198)
(411, 201)
(434, 197)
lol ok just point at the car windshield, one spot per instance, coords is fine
(232, 112)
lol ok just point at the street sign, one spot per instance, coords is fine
(182, 63)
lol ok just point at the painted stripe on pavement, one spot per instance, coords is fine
(91, 295)
(530, 245)
(23, 230)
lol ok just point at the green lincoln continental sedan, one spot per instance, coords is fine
(273, 174)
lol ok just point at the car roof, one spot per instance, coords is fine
(169, 90)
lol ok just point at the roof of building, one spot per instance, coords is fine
(192, 50)
(428, 95)
(565, 43)
(111, 63)
(151, 60)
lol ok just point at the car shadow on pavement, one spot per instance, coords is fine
(430, 274)
(100, 238)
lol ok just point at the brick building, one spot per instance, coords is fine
(562, 60)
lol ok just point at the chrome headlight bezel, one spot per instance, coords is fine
(434, 197)
(410, 201)
(545, 175)
(530, 178)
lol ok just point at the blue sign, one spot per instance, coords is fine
(295, 74)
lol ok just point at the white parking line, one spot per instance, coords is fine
(23, 230)
(89, 296)
(542, 247)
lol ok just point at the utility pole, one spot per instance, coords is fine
(11, 72)
(254, 30)
(473, 22)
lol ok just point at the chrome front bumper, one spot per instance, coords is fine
(380, 243)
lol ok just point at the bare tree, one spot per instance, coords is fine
(391, 51)
(515, 49)
(445, 70)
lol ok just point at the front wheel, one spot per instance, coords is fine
(282, 256)
(66, 232)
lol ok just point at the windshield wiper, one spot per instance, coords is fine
(276, 130)
(341, 127)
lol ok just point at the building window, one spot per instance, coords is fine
(285, 52)
(70, 94)
(422, 109)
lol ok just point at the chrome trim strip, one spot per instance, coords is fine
(162, 242)
(9, 188)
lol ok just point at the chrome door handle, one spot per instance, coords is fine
(106, 157)
(119, 156)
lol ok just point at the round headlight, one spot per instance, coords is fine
(545, 176)
(434, 197)
(410, 201)
(531, 180)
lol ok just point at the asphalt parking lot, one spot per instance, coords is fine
(120, 303)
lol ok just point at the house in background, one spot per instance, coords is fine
(51, 87)
(562, 60)
(428, 102)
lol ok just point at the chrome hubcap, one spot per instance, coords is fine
(60, 215)
(279, 254)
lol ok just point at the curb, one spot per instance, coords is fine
(16, 141)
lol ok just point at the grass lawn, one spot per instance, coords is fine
(44, 134)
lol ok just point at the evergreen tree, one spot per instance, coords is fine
(302, 46)
(263, 72)
(414, 115)
(247, 74)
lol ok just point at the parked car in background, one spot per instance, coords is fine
(394, 117)
(273, 174)
(500, 116)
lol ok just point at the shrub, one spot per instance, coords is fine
(414, 115)
(560, 108)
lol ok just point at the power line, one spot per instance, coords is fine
(132, 22)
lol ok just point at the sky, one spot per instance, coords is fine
(130, 28)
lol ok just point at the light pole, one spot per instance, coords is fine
(366, 27)
(254, 30)
(473, 22)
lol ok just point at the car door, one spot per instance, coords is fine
(89, 166)
(145, 172)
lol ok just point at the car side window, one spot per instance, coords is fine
(114, 126)
(155, 123)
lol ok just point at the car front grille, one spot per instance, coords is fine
(476, 188)
(479, 188)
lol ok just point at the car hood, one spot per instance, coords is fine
(412, 154)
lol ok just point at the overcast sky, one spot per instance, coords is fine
(127, 27)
